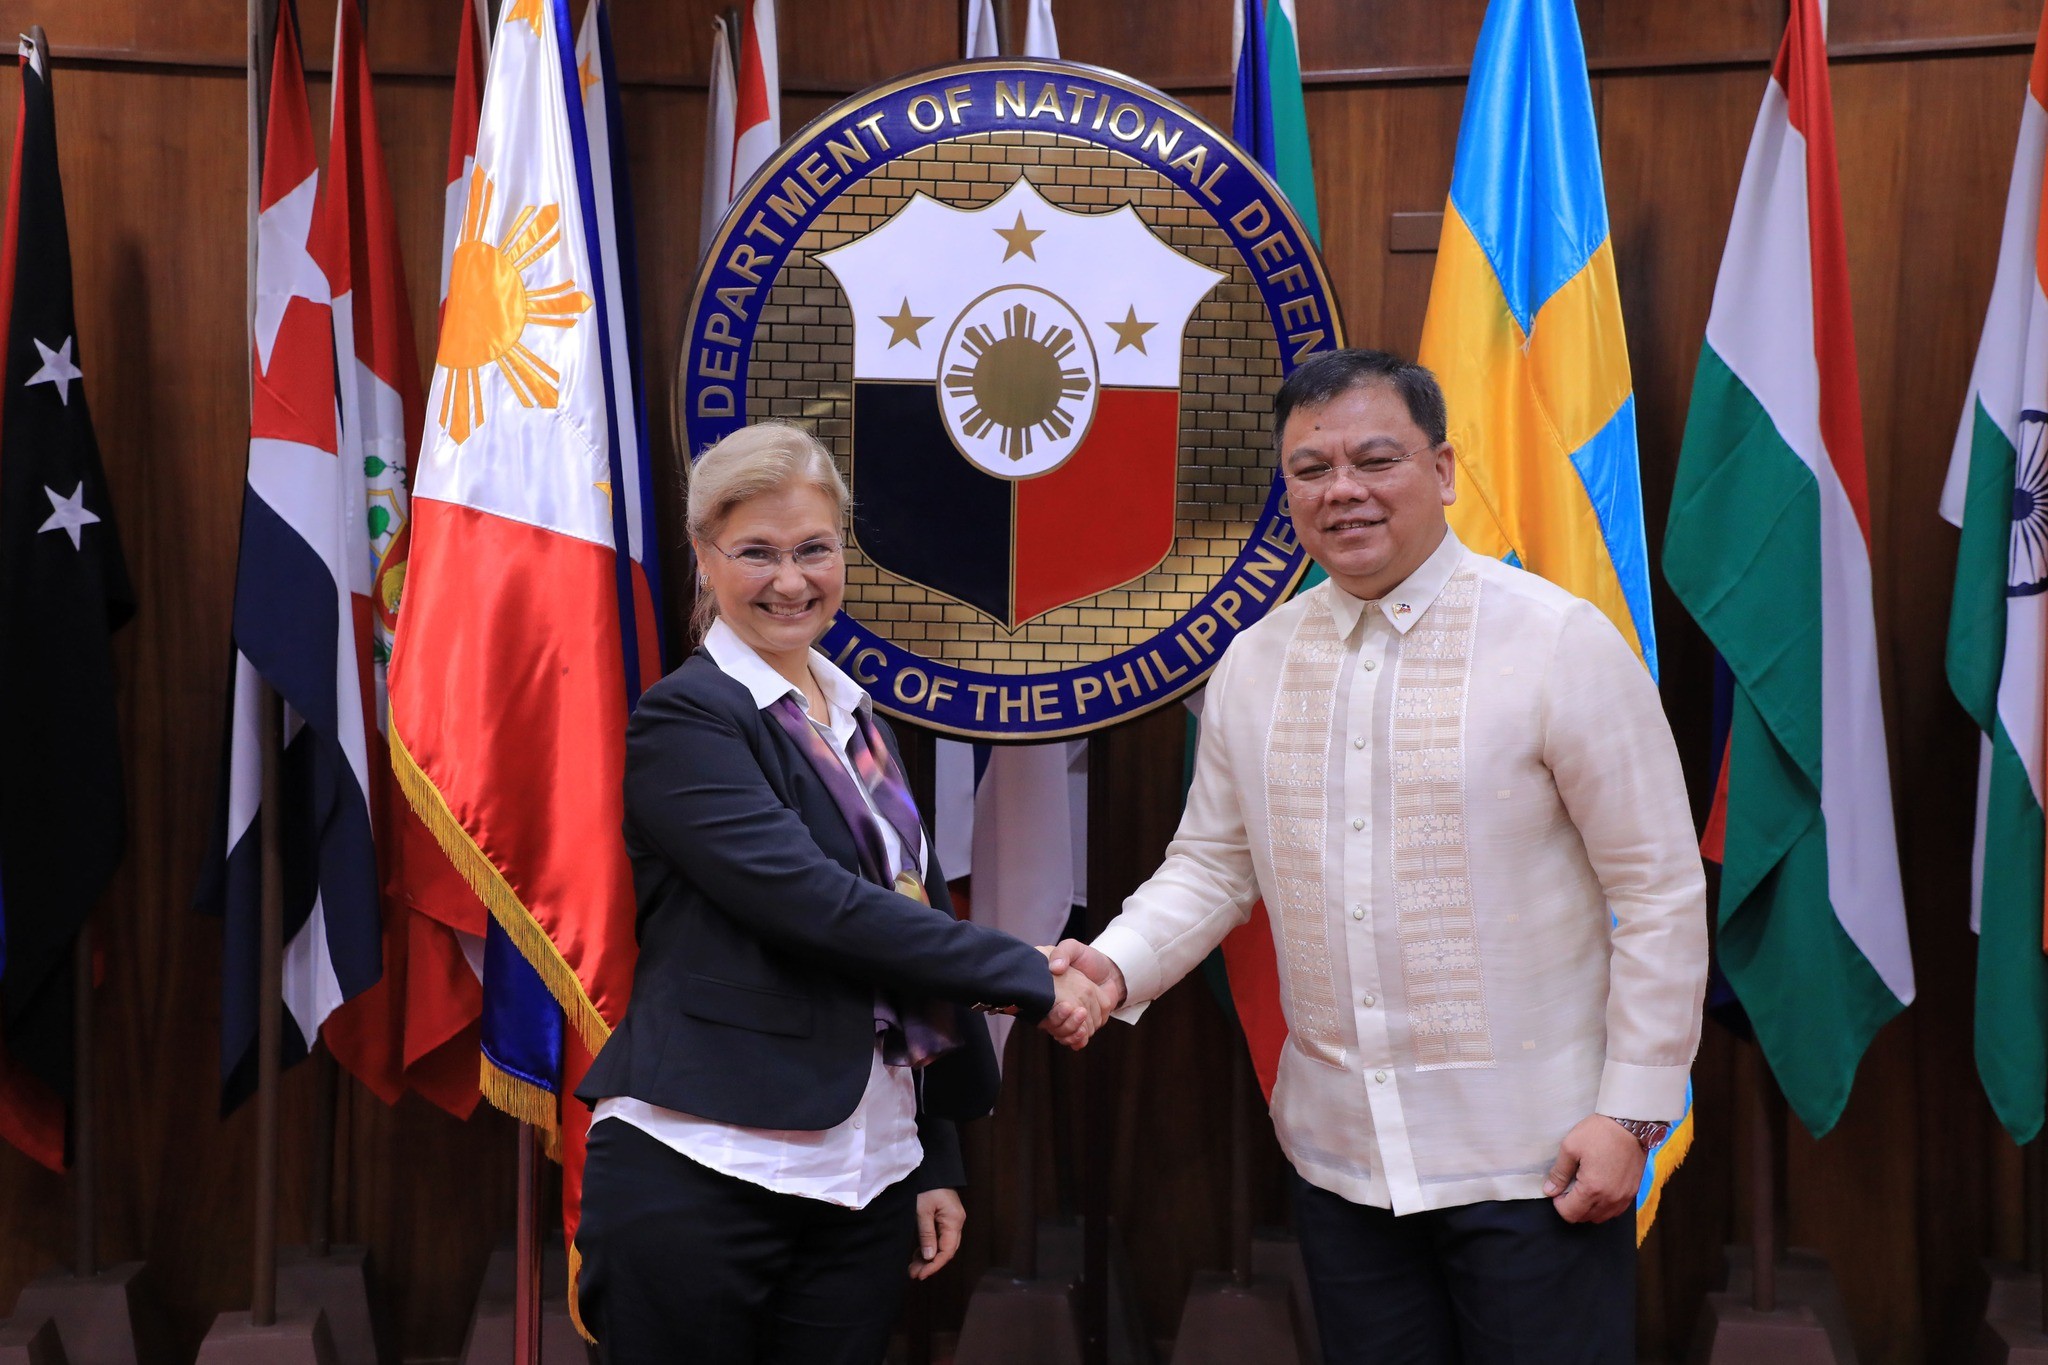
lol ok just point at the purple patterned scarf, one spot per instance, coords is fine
(913, 1032)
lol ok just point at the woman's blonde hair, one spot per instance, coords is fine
(756, 459)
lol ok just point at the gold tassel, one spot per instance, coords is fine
(497, 894)
(576, 1308)
(1668, 1158)
(523, 1100)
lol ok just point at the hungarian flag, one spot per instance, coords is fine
(302, 624)
(64, 590)
(757, 105)
(519, 634)
(719, 113)
(408, 1029)
(1998, 632)
(1768, 547)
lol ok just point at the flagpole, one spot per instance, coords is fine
(1763, 1194)
(270, 990)
(320, 1219)
(2037, 1161)
(1241, 1084)
(1024, 1243)
(85, 1252)
(526, 1293)
(1098, 1090)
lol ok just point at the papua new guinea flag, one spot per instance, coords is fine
(1016, 418)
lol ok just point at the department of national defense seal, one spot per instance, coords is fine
(1038, 312)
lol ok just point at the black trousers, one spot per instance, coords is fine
(684, 1266)
(1498, 1283)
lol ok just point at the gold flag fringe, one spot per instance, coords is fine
(525, 1101)
(533, 1104)
(498, 896)
(575, 1307)
(1668, 1158)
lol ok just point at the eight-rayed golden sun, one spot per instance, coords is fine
(1019, 382)
(490, 307)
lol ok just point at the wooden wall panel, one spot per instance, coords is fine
(1623, 31)
(1384, 33)
(1398, 143)
(1165, 46)
(210, 30)
(1916, 1184)
(1878, 21)
(826, 44)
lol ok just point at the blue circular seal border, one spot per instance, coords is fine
(812, 169)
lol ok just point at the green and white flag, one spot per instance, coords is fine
(1768, 547)
(1997, 492)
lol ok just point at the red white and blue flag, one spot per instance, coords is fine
(302, 624)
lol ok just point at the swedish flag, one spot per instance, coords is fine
(1524, 333)
(1524, 326)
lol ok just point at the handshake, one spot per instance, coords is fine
(1087, 987)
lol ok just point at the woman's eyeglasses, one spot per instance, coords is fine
(759, 561)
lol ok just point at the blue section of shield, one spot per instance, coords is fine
(521, 1025)
(921, 511)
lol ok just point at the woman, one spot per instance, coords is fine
(772, 1138)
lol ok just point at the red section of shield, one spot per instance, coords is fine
(1104, 517)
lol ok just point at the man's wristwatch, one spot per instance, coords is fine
(1649, 1132)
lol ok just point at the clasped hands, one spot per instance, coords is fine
(1087, 988)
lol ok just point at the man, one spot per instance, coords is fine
(1453, 785)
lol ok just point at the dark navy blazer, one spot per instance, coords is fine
(761, 946)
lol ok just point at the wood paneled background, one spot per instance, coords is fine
(1908, 1194)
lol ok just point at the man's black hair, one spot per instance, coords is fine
(1333, 374)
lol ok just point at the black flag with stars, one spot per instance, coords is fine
(64, 589)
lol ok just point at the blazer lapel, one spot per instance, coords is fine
(807, 795)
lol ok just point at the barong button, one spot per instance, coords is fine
(1369, 999)
(1358, 824)
(1371, 664)
(1358, 743)
(1380, 1076)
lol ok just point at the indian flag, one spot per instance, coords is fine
(1768, 547)
(1997, 493)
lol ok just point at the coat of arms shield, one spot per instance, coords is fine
(1016, 407)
